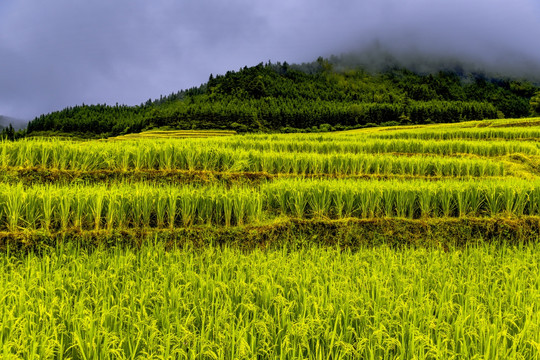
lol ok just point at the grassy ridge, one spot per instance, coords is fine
(293, 233)
(177, 134)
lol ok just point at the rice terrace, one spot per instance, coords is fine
(324, 210)
(411, 242)
(269, 180)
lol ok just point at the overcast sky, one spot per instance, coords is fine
(59, 53)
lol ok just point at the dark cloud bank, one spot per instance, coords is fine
(61, 53)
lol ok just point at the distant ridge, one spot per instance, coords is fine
(16, 123)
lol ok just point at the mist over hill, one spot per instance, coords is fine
(377, 57)
(16, 123)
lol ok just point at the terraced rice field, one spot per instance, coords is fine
(409, 243)
(167, 134)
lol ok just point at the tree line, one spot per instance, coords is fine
(308, 97)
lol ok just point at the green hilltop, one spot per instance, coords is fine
(316, 96)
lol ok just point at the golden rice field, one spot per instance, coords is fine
(417, 242)
(167, 134)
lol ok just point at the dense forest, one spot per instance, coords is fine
(309, 97)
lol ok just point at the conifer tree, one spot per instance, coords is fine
(535, 104)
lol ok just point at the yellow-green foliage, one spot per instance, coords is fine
(269, 156)
(477, 302)
(461, 151)
(375, 303)
(52, 207)
(172, 134)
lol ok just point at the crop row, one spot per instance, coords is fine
(455, 134)
(362, 144)
(172, 156)
(39, 152)
(51, 207)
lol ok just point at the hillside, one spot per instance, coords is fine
(308, 97)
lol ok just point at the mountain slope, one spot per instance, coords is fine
(322, 94)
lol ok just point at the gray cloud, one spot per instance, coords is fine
(65, 52)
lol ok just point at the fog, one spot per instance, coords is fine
(17, 124)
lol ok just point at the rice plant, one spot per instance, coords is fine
(317, 303)
(97, 207)
(300, 158)
(309, 303)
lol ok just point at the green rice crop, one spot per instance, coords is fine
(364, 144)
(507, 124)
(181, 155)
(53, 207)
(405, 199)
(459, 134)
(309, 303)
(165, 134)
(213, 303)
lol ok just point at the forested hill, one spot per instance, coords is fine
(282, 97)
